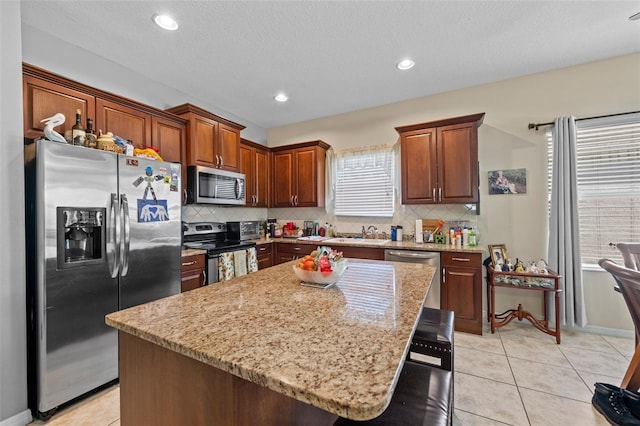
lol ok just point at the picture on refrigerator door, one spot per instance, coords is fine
(151, 210)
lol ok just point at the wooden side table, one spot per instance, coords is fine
(545, 283)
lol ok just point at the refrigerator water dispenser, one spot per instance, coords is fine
(80, 235)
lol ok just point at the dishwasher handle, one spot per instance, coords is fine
(413, 254)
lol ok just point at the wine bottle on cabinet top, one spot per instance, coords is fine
(78, 134)
(91, 140)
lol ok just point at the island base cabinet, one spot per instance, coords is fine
(161, 387)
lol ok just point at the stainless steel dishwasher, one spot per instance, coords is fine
(427, 257)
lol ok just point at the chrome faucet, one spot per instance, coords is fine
(372, 230)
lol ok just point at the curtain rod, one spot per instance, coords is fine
(536, 125)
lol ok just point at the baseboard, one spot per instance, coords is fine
(20, 419)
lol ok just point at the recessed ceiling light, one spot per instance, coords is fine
(405, 64)
(281, 97)
(635, 17)
(165, 22)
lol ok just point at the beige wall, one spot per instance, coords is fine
(520, 221)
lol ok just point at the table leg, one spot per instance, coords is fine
(493, 301)
(557, 303)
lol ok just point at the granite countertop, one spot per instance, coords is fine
(192, 252)
(340, 349)
(401, 245)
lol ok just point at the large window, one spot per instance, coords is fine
(608, 172)
(364, 183)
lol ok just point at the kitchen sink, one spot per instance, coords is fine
(363, 241)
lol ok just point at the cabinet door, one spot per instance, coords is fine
(283, 179)
(128, 123)
(458, 163)
(202, 142)
(246, 167)
(419, 170)
(43, 100)
(306, 178)
(261, 177)
(169, 137)
(228, 147)
(265, 255)
(191, 280)
(461, 289)
(362, 252)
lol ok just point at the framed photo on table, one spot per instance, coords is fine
(498, 254)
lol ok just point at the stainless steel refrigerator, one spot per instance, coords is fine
(103, 234)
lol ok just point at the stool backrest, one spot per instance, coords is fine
(631, 254)
(629, 282)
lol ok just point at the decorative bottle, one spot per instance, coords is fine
(78, 134)
(91, 140)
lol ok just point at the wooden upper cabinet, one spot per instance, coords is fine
(440, 161)
(45, 94)
(418, 165)
(283, 181)
(43, 99)
(254, 163)
(128, 123)
(212, 141)
(169, 137)
(299, 174)
(228, 147)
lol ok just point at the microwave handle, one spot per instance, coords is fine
(238, 192)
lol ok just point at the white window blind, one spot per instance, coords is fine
(364, 183)
(608, 173)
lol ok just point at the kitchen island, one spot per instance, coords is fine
(264, 349)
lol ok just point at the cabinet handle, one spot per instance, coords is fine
(461, 259)
(190, 263)
(221, 161)
(440, 194)
(296, 198)
(292, 200)
(444, 276)
(262, 248)
(296, 248)
(204, 277)
(434, 194)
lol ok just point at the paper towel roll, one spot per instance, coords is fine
(418, 231)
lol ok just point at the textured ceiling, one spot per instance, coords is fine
(332, 57)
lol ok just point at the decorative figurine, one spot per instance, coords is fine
(519, 266)
(542, 267)
(52, 122)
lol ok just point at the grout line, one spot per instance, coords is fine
(524, 406)
(483, 417)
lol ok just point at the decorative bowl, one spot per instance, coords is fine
(317, 277)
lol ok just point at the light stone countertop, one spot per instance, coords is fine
(192, 252)
(340, 349)
(401, 245)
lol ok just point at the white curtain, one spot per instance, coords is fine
(564, 229)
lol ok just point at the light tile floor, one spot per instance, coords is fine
(517, 376)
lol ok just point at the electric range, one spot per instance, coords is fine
(212, 237)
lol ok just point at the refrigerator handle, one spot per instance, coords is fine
(126, 240)
(114, 236)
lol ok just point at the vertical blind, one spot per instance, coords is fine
(608, 172)
(364, 183)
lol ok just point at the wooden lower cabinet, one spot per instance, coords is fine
(265, 255)
(361, 252)
(192, 274)
(461, 290)
(286, 252)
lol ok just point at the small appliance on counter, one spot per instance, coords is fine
(272, 225)
(246, 230)
(308, 228)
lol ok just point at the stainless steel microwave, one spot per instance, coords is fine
(214, 186)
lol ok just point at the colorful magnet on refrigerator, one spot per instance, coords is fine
(149, 170)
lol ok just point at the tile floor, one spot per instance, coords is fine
(517, 376)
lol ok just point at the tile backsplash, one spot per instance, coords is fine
(405, 215)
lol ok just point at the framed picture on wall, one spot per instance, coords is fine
(512, 181)
(498, 254)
